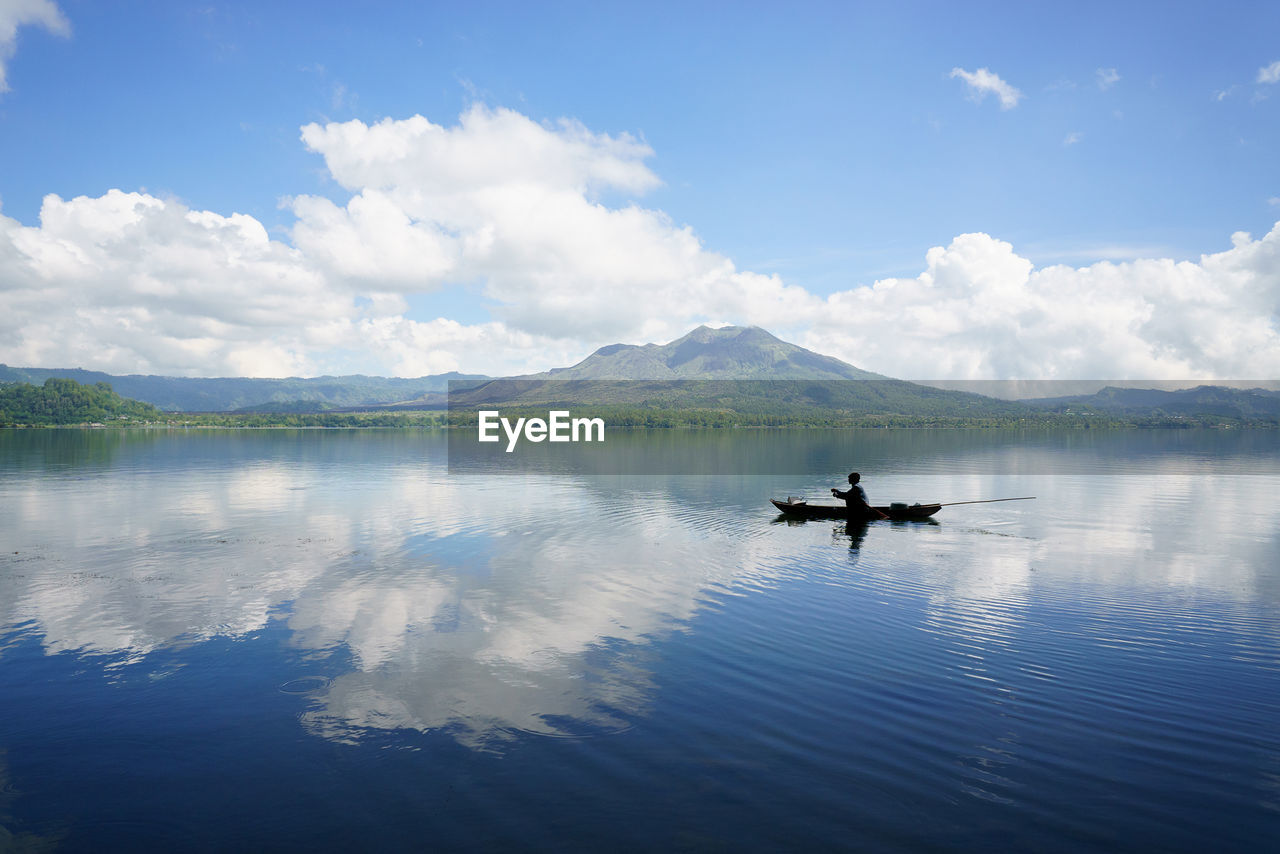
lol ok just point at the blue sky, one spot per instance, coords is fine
(825, 146)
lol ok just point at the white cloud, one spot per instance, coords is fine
(984, 82)
(131, 283)
(127, 279)
(511, 209)
(1073, 137)
(1106, 78)
(1269, 73)
(511, 203)
(18, 13)
(979, 310)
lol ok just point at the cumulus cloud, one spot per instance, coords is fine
(1106, 78)
(1269, 73)
(515, 212)
(514, 204)
(131, 283)
(980, 310)
(18, 13)
(1072, 138)
(984, 82)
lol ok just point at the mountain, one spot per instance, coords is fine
(730, 375)
(729, 353)
(1201, 402)
(225, 394)
(743, 371)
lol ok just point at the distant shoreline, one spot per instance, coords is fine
(63, 401)
(226, 423)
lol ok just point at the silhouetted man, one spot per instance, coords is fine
(856, 500)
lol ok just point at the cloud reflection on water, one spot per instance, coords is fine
(493, 604)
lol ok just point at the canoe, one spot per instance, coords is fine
(805, 510)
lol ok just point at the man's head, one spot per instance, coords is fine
(855, 477)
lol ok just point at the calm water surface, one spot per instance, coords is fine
(276, 640)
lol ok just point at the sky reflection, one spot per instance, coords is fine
(492, 605)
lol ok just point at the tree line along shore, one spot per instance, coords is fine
(62, 402)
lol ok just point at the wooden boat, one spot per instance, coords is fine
(800, 509)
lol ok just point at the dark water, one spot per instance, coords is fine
(322, 640)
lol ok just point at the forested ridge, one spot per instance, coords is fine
(65, 401)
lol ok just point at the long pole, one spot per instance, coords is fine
(987, 501)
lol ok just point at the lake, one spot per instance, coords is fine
(321, 640)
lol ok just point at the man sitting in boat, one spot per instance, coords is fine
(856, 500)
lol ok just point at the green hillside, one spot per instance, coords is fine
(1207, 404)
(225, 394)
(733, 376)
(63, 401)
(757, 401)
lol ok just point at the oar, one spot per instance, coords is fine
(988, 501)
